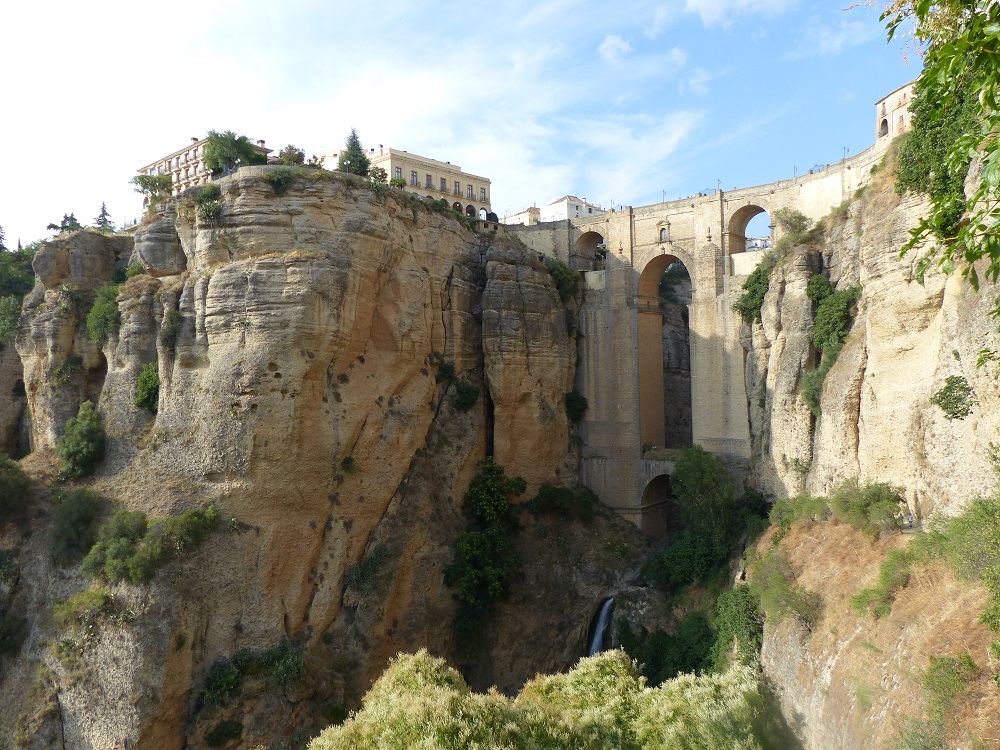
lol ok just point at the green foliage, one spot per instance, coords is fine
(281, 663)
(445, 373)
(81, 446)
(576, 405)
(147, 388)
(13, 630)
(103, 318)
(484, 555)
(567, 280)
(918, 734)
(739, 627)
(348, 464)
(69, 223)
(833, 318)
(224, 732)
(10, 317)
(602, 703)
(397, 182)
(812, 380)
(280, 178)
(956, 398)
(135, 269)
(819, 288)
(704, 491)
(74, 524)
(923, 164)
(17, 277)
(14, 488)
(773, 582)
(361, 576)
(226, 152)
(662, 655)
(565, 503)
(690, 557)
(155, 187)
(292, 156)
(170, 328)
(84, 611)
(945, 679)
(870, 508)
(353, 158)
(103, 223)
(129, 548)
(466, 396)
(894, 574)
(209, 203)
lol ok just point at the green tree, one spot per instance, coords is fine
(155, 187)
(962, 47)
(353, 158)
(103, 222)
(226, 152)
(69, 223)
(81, 447)
(147, 388)
(292, 155)
(103, 318)
(704, 491)
(14, 488)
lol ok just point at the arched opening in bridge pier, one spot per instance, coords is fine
(589, 252)
(751, 230)
(660, 515)
(665, 414)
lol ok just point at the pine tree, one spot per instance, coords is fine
(103, 222)
(292, 155)
(353, 158)
(69, 223)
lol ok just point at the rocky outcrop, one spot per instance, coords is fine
(297, 340)
(877, 422)
(13, 400)
(62, 366)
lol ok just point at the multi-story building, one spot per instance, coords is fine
(569, 207)
(429, 178)
(186, 166)
(892, 114)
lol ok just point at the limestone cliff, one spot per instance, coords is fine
(298, 339)
(876, 422)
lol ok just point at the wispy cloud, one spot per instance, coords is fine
(614, 49)
(834, 39)
(721, 12)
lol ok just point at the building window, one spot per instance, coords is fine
(429, 184)
(468, 193)
(458, 188)
(482, 194)
(413, 178)
(663, 235)
(398, 173)
(444, 185)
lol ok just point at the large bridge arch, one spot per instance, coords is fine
(583, 256)
(736, 227)
(650, 351)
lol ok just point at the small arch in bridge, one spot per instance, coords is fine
(585, 255)
(660, 513)
(883, 129)
(745, 225)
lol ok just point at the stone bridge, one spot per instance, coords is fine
(621, 325)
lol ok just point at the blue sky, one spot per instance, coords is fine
(623, 102)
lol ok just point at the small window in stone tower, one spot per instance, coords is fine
(663, 235)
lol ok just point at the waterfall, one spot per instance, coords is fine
(599, 627)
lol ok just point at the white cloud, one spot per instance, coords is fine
(699, 80)
(721, 12)
(662, 16)
(832, 40)
(613, 49)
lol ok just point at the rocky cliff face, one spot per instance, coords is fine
(297, 340)
(877, 422)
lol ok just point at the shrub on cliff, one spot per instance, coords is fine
(576, 405)
(147, 388)
(484, 555)
(871, 508)
(81, 447)
(103, 318)
(602, 702)
(10, 316)
(74, 524)
(14, 488)
(466, 396)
